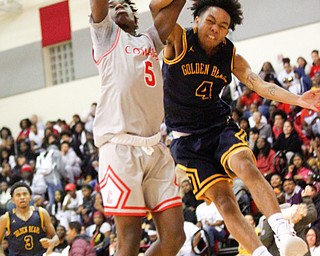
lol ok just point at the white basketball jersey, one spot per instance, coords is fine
(131, 99)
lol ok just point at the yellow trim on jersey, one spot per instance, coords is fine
(182, 54)
(201, 192)
(8, 224)
(234, 52)
(41, 218)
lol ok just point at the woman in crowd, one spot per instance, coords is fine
(313, 240)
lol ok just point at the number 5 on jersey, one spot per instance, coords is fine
(149, 77)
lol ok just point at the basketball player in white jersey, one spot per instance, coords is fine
(136, 171)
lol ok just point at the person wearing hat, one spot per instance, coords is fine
(70, 204)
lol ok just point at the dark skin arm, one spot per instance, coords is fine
(99, 9)
(165, 14)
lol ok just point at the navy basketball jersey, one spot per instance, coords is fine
(23, 236)
(192, 83)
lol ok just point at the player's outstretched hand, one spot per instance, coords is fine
(310, 100)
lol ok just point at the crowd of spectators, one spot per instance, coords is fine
(285, 141)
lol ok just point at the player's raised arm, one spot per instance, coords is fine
(242, 70)
(99, 9)
(165, 14)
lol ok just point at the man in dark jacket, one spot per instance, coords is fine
(79, 243)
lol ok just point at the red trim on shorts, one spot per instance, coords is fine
(126, 214)
(175, 201)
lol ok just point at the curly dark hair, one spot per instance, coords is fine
(134, 10)
(18, 185)
(232, 7)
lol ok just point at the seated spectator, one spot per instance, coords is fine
(276, 184)
(86, 209)
(265, 156)
(299, 215)
(36, 139)
(292, 191)
(62, 234)
(190, 202)
(55, 209)
(278, 118)
(80, 244)
(72, 163)
(71, 203)
(5, 196)
(315, 68)
(298, 170)
(25, 130)
(263, 127)
(313, 240)
(6, 140)
(99, 233)
(211, 221)
(287, 73)
(288, 141)
(253, 137)
(244, 124)
(7, 174)
(266, 69)
(247, 98)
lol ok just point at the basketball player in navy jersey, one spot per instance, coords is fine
(28, 229)
(208, 145)
(136, 171)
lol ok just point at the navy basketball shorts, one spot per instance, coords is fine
(204, 156)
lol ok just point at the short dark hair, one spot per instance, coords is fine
(232, 7)
(75, 225)
(19, 184)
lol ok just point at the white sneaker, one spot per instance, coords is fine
(291, 245)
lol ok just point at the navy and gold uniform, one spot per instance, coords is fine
(23, 236)
(192, 83)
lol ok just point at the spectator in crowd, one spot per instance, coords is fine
(36, 121)
(286, 75)
(292, 191)
(299, 215)
(36, 139)
(7, 174)
(265, 156)
(25, 130)
(100, 230)
(264, 128)
(315, 68)
(67, 136)
(298, 169)
(190, 202)
(63, 243)
(25, 150)
(303, 70)
(266, 69)
(211, 221)
(313, 240)
(279, 117)
(86, 208)
(72, 163)
(288, 142)
(246, 99)
(253, 137)
(88, 117)
(80, 244)
(315, 196)
(51, 166)
(55, 209)
(276, 184)
(6, 140)
(71, 204)
(5, 196)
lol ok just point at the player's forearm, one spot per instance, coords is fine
(271, 91)
(156, 6)
(55, 240)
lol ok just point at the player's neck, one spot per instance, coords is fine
(24, 213)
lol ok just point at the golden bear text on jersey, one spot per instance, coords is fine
(27, 229)
(202, 69)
